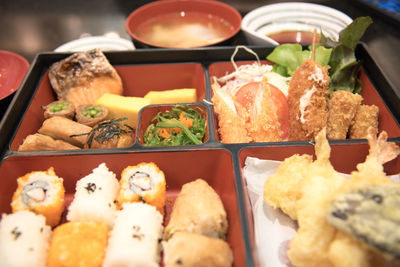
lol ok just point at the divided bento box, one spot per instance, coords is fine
(220, 165)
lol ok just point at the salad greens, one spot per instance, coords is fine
(343, 65)
(182, 125)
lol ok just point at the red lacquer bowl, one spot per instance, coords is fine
(219, 17)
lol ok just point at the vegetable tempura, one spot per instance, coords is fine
(304, 189)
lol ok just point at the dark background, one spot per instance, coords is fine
(30, 27)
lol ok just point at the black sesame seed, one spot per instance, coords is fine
(16, 233)
(90, 187)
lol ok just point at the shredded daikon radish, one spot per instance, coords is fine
(244, 74)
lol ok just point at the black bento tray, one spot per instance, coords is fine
(203, 56)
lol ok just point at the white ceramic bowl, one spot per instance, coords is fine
(103, 42)
(292, 16)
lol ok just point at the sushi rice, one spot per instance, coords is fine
(24, 239)
(135, 238)
(94, 197)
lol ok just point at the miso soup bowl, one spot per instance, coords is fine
(224, 18)
(263, 21)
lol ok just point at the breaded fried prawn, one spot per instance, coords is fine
(307, 100)
(232, 127)
(263, 125)
(366, 117)
(342, 107)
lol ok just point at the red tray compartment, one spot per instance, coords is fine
(180, 167)
(137, 81)
(148, 113)
(369, 93)
(344, 159)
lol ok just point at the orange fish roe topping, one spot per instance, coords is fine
(165, 132)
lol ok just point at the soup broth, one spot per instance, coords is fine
(185, 29)
(301, 37)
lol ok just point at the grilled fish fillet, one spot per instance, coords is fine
(84, 77)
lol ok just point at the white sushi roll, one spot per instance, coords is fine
(24, 239)
(94, 197)
(136, 236)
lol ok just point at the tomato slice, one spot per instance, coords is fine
(246, 94)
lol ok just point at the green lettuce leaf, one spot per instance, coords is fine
(344, 67)
(339, 55)
(288, 57)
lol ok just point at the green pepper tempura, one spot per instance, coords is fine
(182, 125)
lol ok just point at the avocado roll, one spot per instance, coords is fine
(60, 108)
(190, 249)
(198, 209)
(90, 115)
(24, 239)
(78, 244)
(134, 239)
(94, 197)
(41, 192)
(144, 182)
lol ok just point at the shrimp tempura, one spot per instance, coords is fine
(304, 189)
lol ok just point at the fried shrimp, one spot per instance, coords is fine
(263, 123)
(232, 124)
(342, 107)
(307, 100)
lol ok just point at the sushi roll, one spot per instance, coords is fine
(198, 209)
(78, 244)
(94, 197)
(41, 192)
(24, 239)
(190, 249)
(144, 182)
(135, 238)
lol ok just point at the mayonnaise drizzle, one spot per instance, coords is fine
(305, 101)
(317, 75)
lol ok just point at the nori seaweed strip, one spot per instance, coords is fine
(107, 130)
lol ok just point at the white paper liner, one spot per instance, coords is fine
(273, 229)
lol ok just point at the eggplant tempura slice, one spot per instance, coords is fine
(370, 214)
